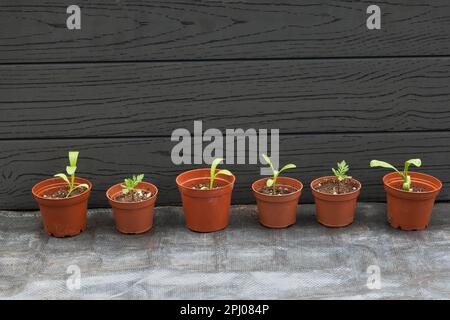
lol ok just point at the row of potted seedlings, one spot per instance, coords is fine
(206, 198)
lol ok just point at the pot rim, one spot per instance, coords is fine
(228, 183)
(277, 196)
(119, 202)
(401, 191)
(335, 195)
(59, 181)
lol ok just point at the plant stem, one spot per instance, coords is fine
(211, 182)
(407, 183)
(72, 182)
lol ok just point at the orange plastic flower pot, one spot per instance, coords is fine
(62, 217)
(335, 210)
(410, 210)
(133, 217)
(277, 211)
(205, 210)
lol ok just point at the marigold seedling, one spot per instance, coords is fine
(341, 172)
(406, 178)
(214, 174)
(272, 182)
(131, 184)
(73, 157)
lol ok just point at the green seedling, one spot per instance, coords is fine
(341, 172)
(406, 178)
(272, 182)
(214, 174)
(131, 184)
(73, 157)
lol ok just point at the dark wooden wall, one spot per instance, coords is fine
(137, 70)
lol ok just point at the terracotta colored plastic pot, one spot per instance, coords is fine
(410, 210)
(62, 217)
(205, 210)
(335, 210)
(133, 217)
(277, 211)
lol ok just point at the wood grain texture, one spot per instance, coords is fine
(108, 161)
(35, 30)
(153, 99)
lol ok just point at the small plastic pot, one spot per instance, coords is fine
(133, 217)
(410, 210)
(277, 211)
(335, 210)
(205, 210)
(62, 217)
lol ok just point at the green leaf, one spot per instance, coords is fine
(225, 172)
(71, 170)
(125, 191)
(335, 172)
(73, 157)
(214, 165)
(382, 164)
(212, 172)
(82, 185)
(416, 162)
(377, 163)
(267, 159)
(269, 162)
(342, 167)
(140, 178)
(269, 182)
(286, 167)
(62, 176)
(130, 183)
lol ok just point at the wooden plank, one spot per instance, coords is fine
(153, 99)
(35, 30)
(107, 161)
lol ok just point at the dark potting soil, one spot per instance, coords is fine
(203, 186)
(279, 190)
(134, 196)
(413, 189)
(334, 186)
(62, 193)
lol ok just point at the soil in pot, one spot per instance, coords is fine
(134, 196)
(334, 186)
(205, 210)
(279, 209)
(414, 188)
(62, 216)
(61, 193)
(335, 200)
(279, 190)
(134, 211)
(204, 186)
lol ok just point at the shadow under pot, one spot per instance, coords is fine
(409, 210)
(205, 210)
(335, 201)
(133, 217)
(280, 210)
(62, 217)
